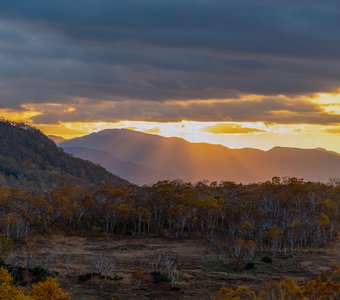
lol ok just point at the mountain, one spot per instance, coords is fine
(136, 173)
(199, 161)
(29, 159)
(56, 139)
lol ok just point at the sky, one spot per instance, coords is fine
(241, 73)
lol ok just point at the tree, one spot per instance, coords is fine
(289, 290)
(237, 248)
(324, 223)
(5, 246)
(241, 293)
(250, 250)
(8, 291)
(275, 234)
(104, 265)
(49, 290)
(139, 275)
(321, 289)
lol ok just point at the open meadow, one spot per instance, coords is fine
(201, 271)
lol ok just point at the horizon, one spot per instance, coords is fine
(157, 149)
(185, 139)
(236, 73)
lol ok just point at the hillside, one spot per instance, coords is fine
(136, 173)
(199, 161)
(28, 159)
(56, 139)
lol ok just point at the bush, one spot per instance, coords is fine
(159, 277)
(38, 274)
(267, 259)
(88, 276)
(249, 266)
(49, 290)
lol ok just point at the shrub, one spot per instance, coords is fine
(159, 277)
(267, 259)
(249, 266)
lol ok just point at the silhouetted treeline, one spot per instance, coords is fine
(233, 217)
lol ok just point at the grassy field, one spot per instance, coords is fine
(201, 270)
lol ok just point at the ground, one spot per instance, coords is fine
(201, 271)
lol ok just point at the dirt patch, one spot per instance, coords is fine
(201, 272)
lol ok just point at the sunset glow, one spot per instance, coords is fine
(205, 84)
(179, 149)
(260, 134)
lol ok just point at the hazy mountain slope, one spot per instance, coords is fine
(199, 161)
(305, 163)
(135, 173)
(29, 159)
(56, 139)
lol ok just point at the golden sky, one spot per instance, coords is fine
(260, 134)
(238, 73)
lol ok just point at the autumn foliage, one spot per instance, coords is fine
(327, 287)
(46, 290)
(239, 219)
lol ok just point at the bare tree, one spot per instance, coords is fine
(166, 263)
(49, 260)
(29, 254)
(104, 265)
(67, 261)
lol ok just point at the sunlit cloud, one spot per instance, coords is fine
(334, 130)
(248, 108)
(21, 115)
(229, 128)
(201, 79)
(60, 130)
(154, 130)
(330, 102)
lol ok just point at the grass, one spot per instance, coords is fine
(200, 271)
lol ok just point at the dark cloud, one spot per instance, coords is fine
(269, 110)
(243, 25)
(125, 51)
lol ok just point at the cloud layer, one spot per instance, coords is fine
(224, 128)
(153, 59)
(281, 110)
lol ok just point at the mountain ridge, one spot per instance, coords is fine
(29, 159)
(200, 161)
(182, 139)
(126, 169)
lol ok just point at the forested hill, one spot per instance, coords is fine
(28, 159)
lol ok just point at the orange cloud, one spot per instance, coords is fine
(228, 128)
(153, 130)
(335, 130)
(60, 130)
(19, 116)
(131, 128)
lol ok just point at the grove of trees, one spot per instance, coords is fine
(280, 216)
(237, 219)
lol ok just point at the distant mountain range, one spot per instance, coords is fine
(30, 160)
(136, 173)
(145, 158)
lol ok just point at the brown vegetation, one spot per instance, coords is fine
(30, 160)
(173, 239)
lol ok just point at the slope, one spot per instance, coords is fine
(28, 159)
(199, 161)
